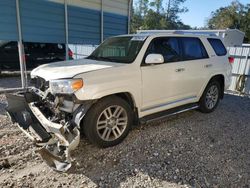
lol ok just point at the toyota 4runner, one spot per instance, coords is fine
(127, 80)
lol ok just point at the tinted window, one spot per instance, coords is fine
(118, 49)
(193, 49)
(168, 47)
(218, 47)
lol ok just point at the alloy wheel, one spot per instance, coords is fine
(212, 97)
(112, 123)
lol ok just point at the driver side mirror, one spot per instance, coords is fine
(154, 59)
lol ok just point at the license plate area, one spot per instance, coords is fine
(20, 113)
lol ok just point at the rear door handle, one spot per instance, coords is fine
(208, 65)
(179, 70)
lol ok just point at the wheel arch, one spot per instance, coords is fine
(217, 77)
(221, 79)
(129, 98)
(126, 96)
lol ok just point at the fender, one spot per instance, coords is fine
(207, 81)
(98, 94)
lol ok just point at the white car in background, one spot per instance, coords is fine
(127, 80)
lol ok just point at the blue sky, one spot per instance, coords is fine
(200, 10)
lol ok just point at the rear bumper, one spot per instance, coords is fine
(54, 140)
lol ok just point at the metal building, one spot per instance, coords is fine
(85, 22)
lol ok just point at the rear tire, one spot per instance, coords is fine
(108, 122)
(210, 97)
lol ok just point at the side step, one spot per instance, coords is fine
(167, 113)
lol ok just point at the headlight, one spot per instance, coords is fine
(65, 86)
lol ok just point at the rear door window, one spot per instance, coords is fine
(166, 46)
(218, 46)
(192, 48)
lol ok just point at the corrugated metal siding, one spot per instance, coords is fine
(90, 4)
(8, 22)
(115, 17)
(42, 21)
(114, 24)
(84, 25)
(119, 7)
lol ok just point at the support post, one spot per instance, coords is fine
(102, 25)
(130, 4)
(21, 49)
(66, 30)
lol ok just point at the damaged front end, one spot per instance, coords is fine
(51, 122)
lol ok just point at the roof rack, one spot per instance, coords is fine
(181, 32)
(231, 37)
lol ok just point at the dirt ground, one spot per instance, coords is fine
(187, 150)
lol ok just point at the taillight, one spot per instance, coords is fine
(231, 60)
(70, 53)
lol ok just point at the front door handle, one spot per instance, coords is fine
(208, 65)
(179, 70)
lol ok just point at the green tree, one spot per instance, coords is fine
(136, 21)
(155, 14)
(142, 7)
(234, 16)
(245, 22)
(158, 5)
(153, 20)
(174, 8)
(226, 17)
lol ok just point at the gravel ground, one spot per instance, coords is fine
(187, 150)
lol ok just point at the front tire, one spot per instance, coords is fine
(210, 97)
(108, 122)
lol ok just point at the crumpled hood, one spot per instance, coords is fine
(68, 69)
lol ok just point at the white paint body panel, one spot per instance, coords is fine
(69, 69)
(153, 88)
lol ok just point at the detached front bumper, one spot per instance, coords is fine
(54, 140)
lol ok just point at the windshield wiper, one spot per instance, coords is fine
(91, 57)
(106, 58)
(100, 58)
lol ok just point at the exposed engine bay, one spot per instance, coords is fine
(52, 122)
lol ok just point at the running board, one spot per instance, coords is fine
(164, 114)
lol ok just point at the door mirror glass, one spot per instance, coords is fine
(154, 59)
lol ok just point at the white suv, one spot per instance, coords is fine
(127, 80)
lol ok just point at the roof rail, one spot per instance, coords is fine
(180, 32)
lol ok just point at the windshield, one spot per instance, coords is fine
(118, 49)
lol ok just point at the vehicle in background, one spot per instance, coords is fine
(35, 54)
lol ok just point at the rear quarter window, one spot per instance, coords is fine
(218, 46)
